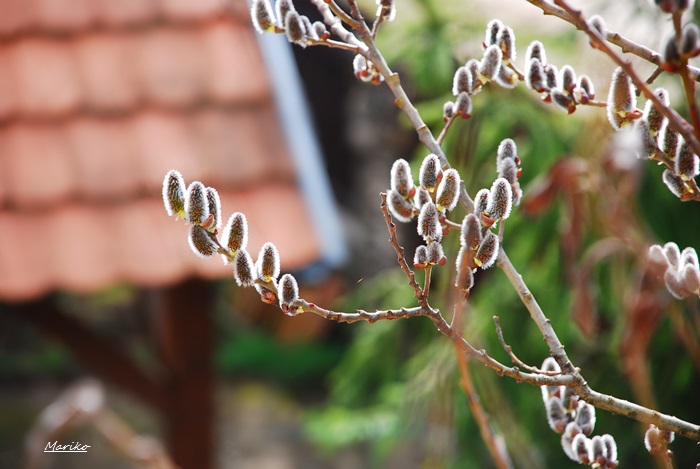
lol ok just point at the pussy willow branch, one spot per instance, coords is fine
(571, 376)
(626, 45)
(675, 120)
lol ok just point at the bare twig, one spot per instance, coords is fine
(498, 451)
(513, 357)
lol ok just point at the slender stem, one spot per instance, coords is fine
(426, 288)
(443, 133)
(491, 439)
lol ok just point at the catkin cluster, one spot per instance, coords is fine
(560, 87)
(201, 208)
(574, 419)
(437, 194)
(679, 269)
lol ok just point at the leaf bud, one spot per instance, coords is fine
(490, 63)
(584, 91)
(420, 258)
(621, 99)
(567, 439)
(610, 449)
(243, 269)
(463, 105)
(436, 255)
(493, 28)
(535, 78)
(472, 66)
(386, 9)
(567, 78)
(506, 77)
(670, 55)
(656, 440)
(422, 197)
(556, 414)
(652, 115)
(214, 204)
(196, 206)
(488, 251)
(268, 265)
(563, 101)
(470, 234)
(320, 30)
(401, 178)
(535, 51)
(550, 365)
(691, 278)
(673, 254)
(448, 110)
(262, 16)
(506, 41)
(582, 447)
(400, 208)
(430, 173)
(462, 81)
(428, 223)
(648, 147)
(295, 28)
(585, 417)
(200, 241)
(674, 284)
(657, 258)
(174, 194)
(500, 200)
(598, 23)
(288, 291)
(465, 274)
(309, 28)
(690, 40)
(282, 7)
(686, 161)
(509, 171)
(689, 257)
(448, 191)
(481, 201)
(235, 233)
(674, 183)
(668, 140)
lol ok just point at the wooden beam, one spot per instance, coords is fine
(94, 352)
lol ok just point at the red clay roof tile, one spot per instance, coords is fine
(108, 80)
(16, 16)
(170, 66)
(191, 10)
(38, 165)
(45, 77)
(91, 120)
(125, 12)
(63, 15)
(235, 71)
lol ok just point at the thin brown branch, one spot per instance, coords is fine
(443, 132)
(498, 451)
(513, 357)
(688, 83)
(400, 257)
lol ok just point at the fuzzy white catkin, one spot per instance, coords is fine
(196, 206)
(243, 269)
(174, 193)
(268, 264)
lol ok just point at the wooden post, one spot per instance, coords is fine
(184, 329)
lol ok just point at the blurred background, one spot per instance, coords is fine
(114, 334)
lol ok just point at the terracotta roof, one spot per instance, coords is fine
(98, 100)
